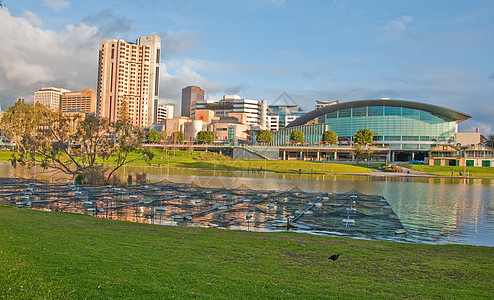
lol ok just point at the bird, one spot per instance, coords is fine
(334, 257)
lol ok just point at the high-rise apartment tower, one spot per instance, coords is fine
(129, 72)
(190, 95)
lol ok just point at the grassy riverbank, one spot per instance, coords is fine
(62, 255)
(184, 159)
(446, 171)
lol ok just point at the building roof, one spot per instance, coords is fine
(446, 114)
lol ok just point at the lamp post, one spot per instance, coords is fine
(248, 216)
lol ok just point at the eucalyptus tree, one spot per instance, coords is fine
(83, 146)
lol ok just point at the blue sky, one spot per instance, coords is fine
(438, 52)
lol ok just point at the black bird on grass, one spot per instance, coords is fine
(334, 257)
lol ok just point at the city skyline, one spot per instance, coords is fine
(437, 52)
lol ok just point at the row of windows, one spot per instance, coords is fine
(378, 111)
(443, 138)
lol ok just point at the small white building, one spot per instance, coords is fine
(164, 111)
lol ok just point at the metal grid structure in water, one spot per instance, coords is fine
(347, 214)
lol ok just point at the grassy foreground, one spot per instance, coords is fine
(446, 171)
(184, 159)
(62, 255)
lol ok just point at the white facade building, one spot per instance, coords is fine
(49, 96)
(164, 111)
(275, 122)
(234, 104)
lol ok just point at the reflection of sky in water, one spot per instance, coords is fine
(431, 209)
(349, 214)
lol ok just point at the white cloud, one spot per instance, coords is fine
(34, 18)
(32, 57)
(37, 73)
(171, 84)
(398, 25)
(56, 5)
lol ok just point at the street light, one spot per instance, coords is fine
(248, 216)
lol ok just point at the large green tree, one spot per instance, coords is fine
(330, 137)
(264, 137)
(297, 136)
(205, 137)
(153, 136)
(85, 147)
(364, 136)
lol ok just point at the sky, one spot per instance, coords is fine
(436, 52)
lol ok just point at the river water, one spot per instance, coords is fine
(433, 210)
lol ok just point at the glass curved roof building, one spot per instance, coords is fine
(397, 124)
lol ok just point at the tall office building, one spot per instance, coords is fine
(49, 96)
(129, 72)
(85, 101)
(190, 95)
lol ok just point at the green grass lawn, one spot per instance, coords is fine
(446, 171)
(181, 159)
(63, 255)
(184, 159)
